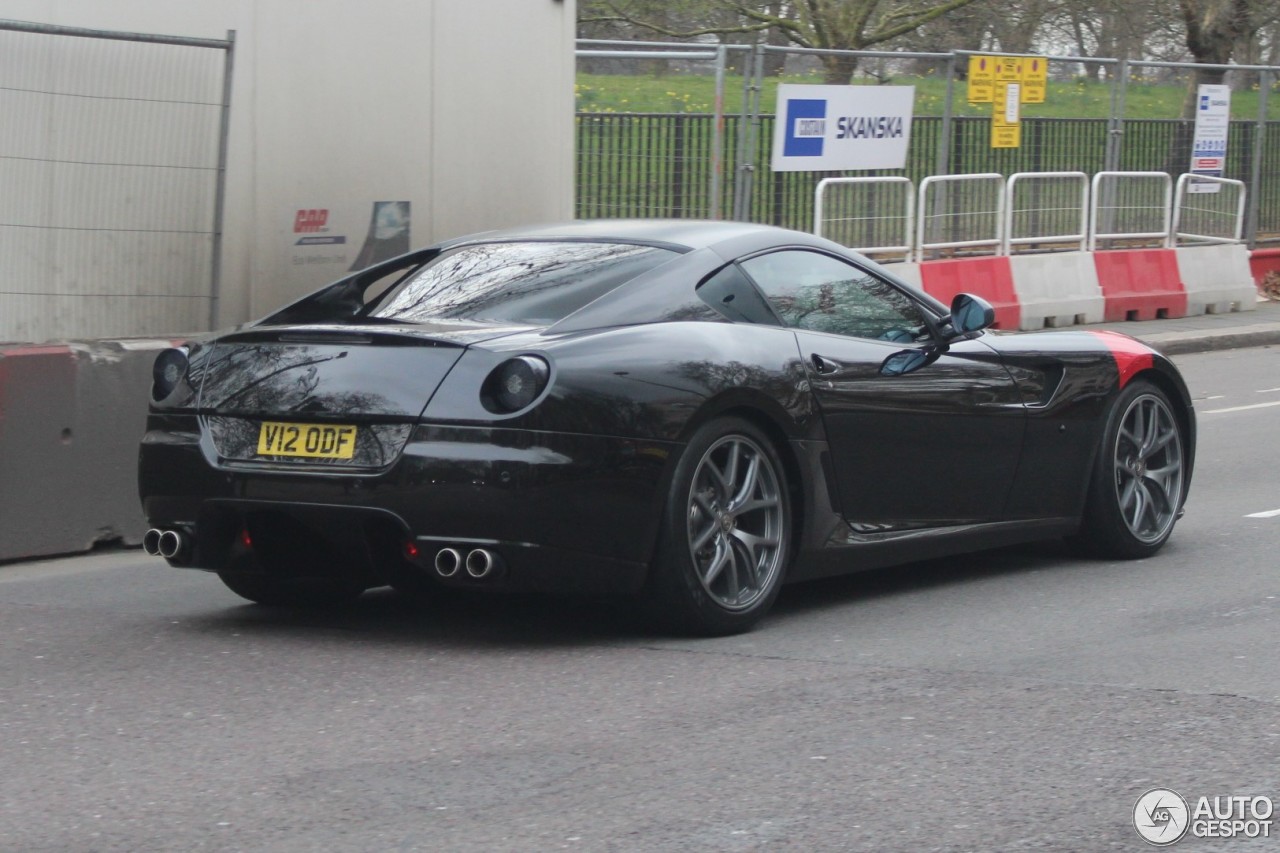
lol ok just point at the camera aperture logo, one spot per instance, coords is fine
(1162, 817)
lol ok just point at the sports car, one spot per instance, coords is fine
(690, 413)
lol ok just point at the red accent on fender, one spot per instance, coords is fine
(1132, 357)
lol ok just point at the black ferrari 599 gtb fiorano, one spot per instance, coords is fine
(692, 413)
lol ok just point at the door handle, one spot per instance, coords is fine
(824, 366)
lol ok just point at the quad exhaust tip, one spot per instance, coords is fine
(481, 562)
(151, 542)
(170, 544)
(448, 561)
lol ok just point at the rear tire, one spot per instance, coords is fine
(726, 533)
(1139, 479)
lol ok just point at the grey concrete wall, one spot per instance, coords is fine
(71, 416)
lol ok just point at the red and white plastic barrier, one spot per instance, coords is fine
(1057, 289)
(990, 277)
(1061, 289)
(1263, 262)
(1216, 278)
(1140, 284)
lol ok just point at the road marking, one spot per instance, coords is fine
(1271, 513)
(1267, 391)
(1241, 408)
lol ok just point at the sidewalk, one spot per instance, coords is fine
(1205, 332)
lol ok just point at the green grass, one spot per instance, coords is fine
(683, 92)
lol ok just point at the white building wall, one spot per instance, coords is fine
(462, 108)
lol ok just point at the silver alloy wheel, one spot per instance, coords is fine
(1148, 468)
(735, 522)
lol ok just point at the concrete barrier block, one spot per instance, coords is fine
(908, 272)
(1217, 278)
(71, 416)
(1057, 289)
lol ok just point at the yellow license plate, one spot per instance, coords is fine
(316, 441)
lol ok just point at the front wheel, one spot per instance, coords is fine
(1139, 479)
(726, 533)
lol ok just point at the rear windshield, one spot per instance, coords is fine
(532, 283)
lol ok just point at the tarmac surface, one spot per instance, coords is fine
(1205, 332)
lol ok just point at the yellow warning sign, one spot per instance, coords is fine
(1008, 69)
(1035, 76)
(1006, 137)
(982, 79)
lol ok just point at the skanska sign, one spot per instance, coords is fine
(839, 128)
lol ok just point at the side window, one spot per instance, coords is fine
(810, 290)
(732, 294)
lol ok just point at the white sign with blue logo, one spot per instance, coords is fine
(1209, 148)
(842, 128)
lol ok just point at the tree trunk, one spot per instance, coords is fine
(838, 69)
(1213, 29)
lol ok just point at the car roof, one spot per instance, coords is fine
(685, 233)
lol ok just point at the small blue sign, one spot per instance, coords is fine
(806, 127)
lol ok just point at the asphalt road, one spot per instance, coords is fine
(1016, 700)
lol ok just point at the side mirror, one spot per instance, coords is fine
(905, 361)
(971, 313)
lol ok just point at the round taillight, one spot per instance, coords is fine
(515, 384)
(169, 369)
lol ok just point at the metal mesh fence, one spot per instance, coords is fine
(644, 165)
(662, 152)
(676, 149)
(109, 159)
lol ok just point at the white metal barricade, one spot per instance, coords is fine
(1130, 206)
(1046, 208)
(862, 218)
(950, 219)
(1216, 216)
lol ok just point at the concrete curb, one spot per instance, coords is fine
(1183, 343)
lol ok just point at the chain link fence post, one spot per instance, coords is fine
(1115, 121)
(717, 139)
(748, 133)
(1255, 166)
(220, 190)
(943, 163)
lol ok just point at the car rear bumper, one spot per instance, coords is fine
(560, 512)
